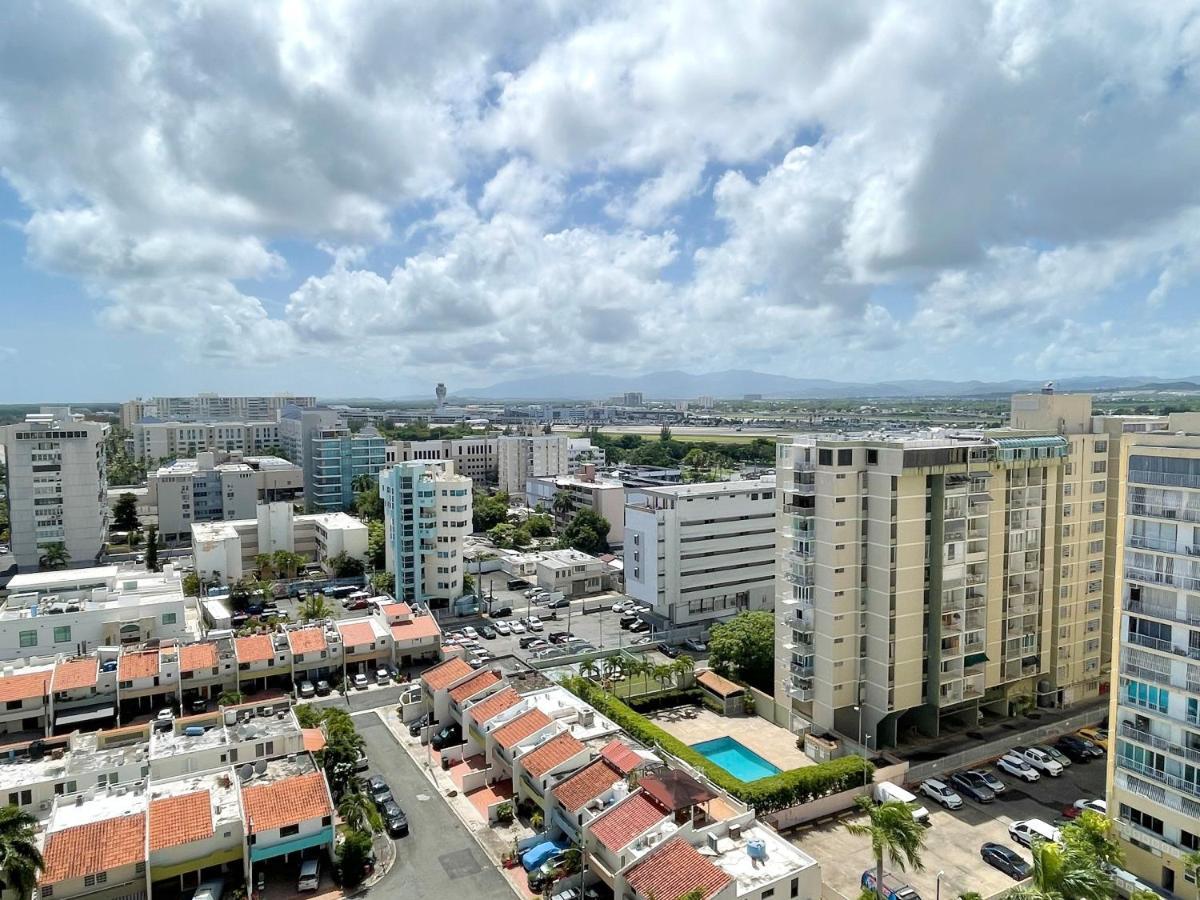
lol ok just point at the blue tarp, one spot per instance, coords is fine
(539, 853)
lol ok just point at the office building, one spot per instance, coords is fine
(210, 408)
(427, 520)
(216, 487)
(57, 487)
(474, 457)
(701, 553)
(160, 441)
(336, 462)
(1154, 744)
(521, 457)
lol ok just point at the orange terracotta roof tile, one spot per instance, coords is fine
(497, 703)
(719, 685)
(180, 820)
(307, 640)
(357, 634)
(446, 673)
(418, 628)
(193, 657)
(622, 756)
(473, 686)
(94, 848)
(314, 739)
(25, 687)
(621, 824)
(587, 784)
(288, 801)
(674, 869)
(508, 736)
(396, 609)
(143, 664)
(255, 648)
(554, 752)
(72, 674)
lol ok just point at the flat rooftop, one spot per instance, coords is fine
(51, 581)
(582, 720)
(711, 488)
(754, 873)
(97, 805)
(222, 787)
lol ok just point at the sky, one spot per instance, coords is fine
(366, 198)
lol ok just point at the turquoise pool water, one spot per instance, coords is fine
(735, 758)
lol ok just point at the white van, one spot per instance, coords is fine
(210, 890)
(885, 791)
(310, 875)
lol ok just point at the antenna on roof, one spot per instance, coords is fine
(260, 766)
(245, 772)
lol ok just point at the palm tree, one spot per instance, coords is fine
(315, 608)
(230, 698)
(663, 674)
(357, 810)
(894, 834)
(684, 666)
(1064, 873)
(20, 860)
(614, 665)
(588, 667)
(55, 556)
(562, 505)
(265, 565)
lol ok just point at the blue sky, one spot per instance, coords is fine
(366, 198)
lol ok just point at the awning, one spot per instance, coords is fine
(89, 714)
(258, 852)
(973, 658)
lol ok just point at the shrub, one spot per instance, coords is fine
(766, 795)
(664, 700)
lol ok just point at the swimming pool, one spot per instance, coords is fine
(735, 758)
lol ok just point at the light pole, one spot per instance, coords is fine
(939, 884)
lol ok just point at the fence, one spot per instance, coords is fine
(998, 747)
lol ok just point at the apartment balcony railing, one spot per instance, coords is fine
(1171, 781)
(1141, 476)
(1142, 640)
(1158, 511)
(804, 670)
(1140, 672)
(800, 579)
(801, 692)
(1153, 576)
(1129, 730)
(1147, 543)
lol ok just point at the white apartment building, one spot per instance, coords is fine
(156, 441)
(570, 572)
(521, 457)
(583, 490)
(427, 520)
(581, 453)
(474, 457)
(57, 483)
(216, 487)
(701, 553)
(225, 551)
(210, 408)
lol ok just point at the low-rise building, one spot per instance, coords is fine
(571, 572)
(584, 489)
(211, 408)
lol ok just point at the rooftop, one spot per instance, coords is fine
(551, 753)
(561, 705)
(711, 488)
(176, 820)
(676, 789)
(287, 798)
(197, 656)
(480, 682)
(624, 757)
(719, 685)
(307, 640)
(511, 734)
(255, 648)
(219, 789)
(141, 664)
(446, 673)
(71, 674)
(619, 825)
(416, 629)
(494, 705)
(25, 685)
(753, 873)
(675, 869)
(587, 784)
(94, 847)
(357, 634)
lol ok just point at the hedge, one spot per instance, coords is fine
(766, 795)
(663, 700)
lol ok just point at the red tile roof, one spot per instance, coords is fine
(622, 823)
(93, 848)
(473, 686)
(418, 628)
(508, 736)
(357, 633)
(493, 705)
(720, 686)
(674, 869)
(25, 687)
(587, 784)
(307, 640)
(255, 648)
(193, 657)
(180, 820)
(554, 752)
(396, 609)
(138, 665)
(314, 739)
(446, 673)
(288, 801)
(622, 756)
(76, 673)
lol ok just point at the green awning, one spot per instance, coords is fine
(972, 659)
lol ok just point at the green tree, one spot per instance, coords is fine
(230, 698)
(1092, 834)
(587, 532)
(308, 716)
(588, 667)
(265, 563)
(20, 859)
(468, 583)
(376, 545)
(152, 549)
(368, 505)
(539, 526)
(352, 857)
(684, 667)
(315, 608)
(1062, 872)
(125, 517)
(286, 563)
(744, 648)
(562, 505)
(383, 582)
(343, 565)
(358, 811)
(1191, 863)
(55, 556)
(664, 433)
(191, 585)
(895, 835)
(488, 511)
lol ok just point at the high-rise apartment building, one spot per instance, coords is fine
(701, 553)
(1154, 743)
(57, 485)
(210, 408)
(925, 576)
(163, 441)
(521, 457)
(427, 520)
(333, 459)
(474, 457)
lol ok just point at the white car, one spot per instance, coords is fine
(360, 682)
(165, 714)
(535, 624)
(940, 792)
(502, 628)
(517, 628)
(471, 632)
(1100, 806)
(1015, 765)
(529, 593)
(1026, 831)
(618, 607)
(1040, 760)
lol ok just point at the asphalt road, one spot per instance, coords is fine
(439, 858)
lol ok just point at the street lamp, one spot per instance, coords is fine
(939, 884)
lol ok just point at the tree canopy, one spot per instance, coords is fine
(125, 517)
(376, 545)
(744, 648)
(587, 533)
(488, 511)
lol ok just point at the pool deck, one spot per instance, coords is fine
(774, 744)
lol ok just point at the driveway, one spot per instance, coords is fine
(439, 859)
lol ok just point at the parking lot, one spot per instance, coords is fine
(954, 838)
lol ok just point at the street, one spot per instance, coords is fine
(439, 858)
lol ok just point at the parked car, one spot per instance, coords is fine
(998, 787)
(1055, 754)
(643, 641)
(545, 873)
(1039, 759)
(383, 676)
(535, 624)
(1077, 748)
(639, 626)
(560, 603)
(516, 584)
(487, 632)
(516, 627)
(310, 875)
(324, 688)
(529, 594)
(1015, 764)
(449, 736)
(1026, 831)
(893, 889)
(166, 714)
(416, 725)
(361, 764)
(619, 607)
(628, 619)
(1006, 860)
(503, 629)
(378, 789)
(395, 819)
(1098, 806)
(694, 645)
(502, 612)
(360, 682)
(972, 787)
(306, 689)
(539, 645)
(1098, 736)
(942, 793)
(669, 651)
(356, 603)
(887, 792)
(524, 642)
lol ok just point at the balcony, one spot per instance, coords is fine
(801, 692)
(1143, 674)
(804, 670)
(1170, 479)
(1142, 640)
(1171, 781)
(1130, 731)
(1153, 576)
(1145, 543)
(1157, 511)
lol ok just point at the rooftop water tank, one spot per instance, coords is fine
(757, 849)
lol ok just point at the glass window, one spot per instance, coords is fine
(28, 638)
(168, 618)
(62, 634)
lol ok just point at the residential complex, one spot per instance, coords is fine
(335, 460)
(56, 486)
(210, 408)
(427, 519)
(157, 441)
(700, 553)
(474, 457)
(603, 495)
(207, 490)
(582, 453)
(225, 551)
(521, 457)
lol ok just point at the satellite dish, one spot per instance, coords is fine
(260, 766)
(245, 772)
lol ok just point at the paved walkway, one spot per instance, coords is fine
(774, 744)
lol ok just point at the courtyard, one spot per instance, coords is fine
(694, 724)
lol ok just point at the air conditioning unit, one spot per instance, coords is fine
(735, 832)
(44, 805)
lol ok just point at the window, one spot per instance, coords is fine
(825, 457)
(289, 830)
(62, 634)
(795, 887)
(872, 460)
(47, 890)
(28, 638)
(1101, 446)
(845, 457)
(168, 618)
(769, 892)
